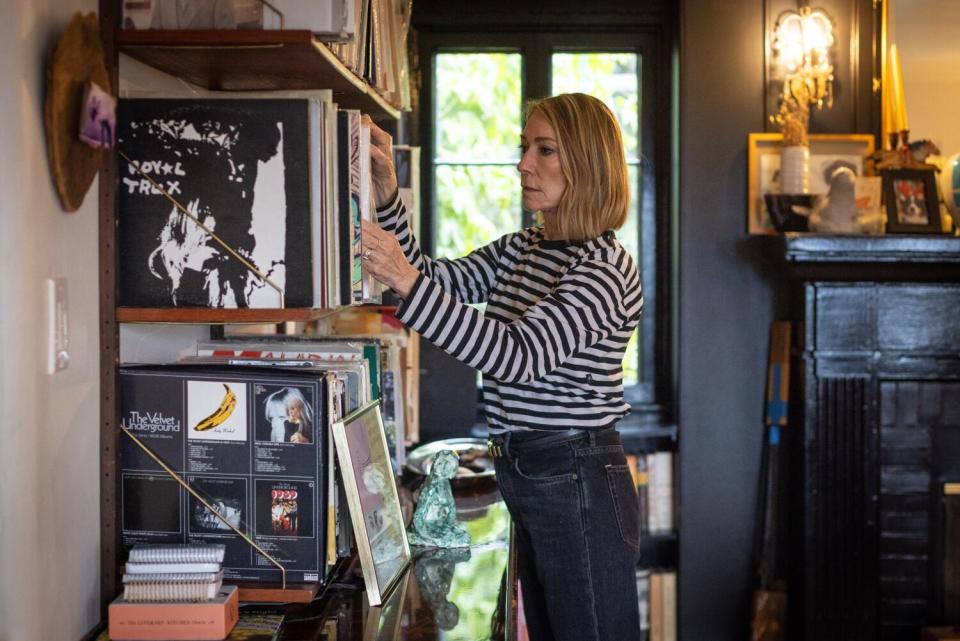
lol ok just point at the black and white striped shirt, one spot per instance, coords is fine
(551, 341)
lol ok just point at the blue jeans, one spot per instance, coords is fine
(574, 506)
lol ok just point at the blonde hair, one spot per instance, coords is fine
(592, 161)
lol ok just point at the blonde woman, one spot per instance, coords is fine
(562, 300)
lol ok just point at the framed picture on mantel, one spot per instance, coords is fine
(827, 152)
(910, 197)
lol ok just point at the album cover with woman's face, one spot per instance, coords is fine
(284, 414)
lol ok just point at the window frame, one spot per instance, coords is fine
(652, 398)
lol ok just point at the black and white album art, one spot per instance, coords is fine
(228, 496)
(241, 167)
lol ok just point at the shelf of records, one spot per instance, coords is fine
(357, 48)
(245, 209)
(653, 475)
(268, 446)
(657, 600)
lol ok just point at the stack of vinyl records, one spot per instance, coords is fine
(189, 572)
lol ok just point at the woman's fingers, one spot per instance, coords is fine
(371, 236)
(381, 163)
(378, 136)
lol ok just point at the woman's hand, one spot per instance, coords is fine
(383, 258)
(381, 163)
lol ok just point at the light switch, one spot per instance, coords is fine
(58, 341)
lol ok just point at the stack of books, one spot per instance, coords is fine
(174, 592)
(173, 572)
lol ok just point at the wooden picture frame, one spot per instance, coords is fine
(371, 490)
(911, 201)
(827, 151)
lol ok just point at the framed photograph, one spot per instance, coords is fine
(827, 153)
(910, 197)
(371, 489)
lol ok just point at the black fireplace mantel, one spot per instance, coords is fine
(879, 376)
(892, 257)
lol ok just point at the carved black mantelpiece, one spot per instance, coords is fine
(880, 414)
(889, 257)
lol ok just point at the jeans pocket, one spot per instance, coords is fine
(625, 503)
(545, 467)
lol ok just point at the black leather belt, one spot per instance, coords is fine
(526, 441)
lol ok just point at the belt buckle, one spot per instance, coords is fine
(496, 451)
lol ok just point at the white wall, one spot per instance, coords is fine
(927, 33)
(49, 434)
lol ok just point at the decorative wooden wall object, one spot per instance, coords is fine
(76, 59)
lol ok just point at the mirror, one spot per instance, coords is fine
(927, 34)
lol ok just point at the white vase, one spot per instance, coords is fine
(795, 170)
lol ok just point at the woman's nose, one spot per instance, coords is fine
(524, 165)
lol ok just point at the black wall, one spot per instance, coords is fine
(729, 293)
(731, 287)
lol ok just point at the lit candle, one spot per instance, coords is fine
(896, 87)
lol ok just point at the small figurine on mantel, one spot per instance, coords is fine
(837, 213)
(435, 521)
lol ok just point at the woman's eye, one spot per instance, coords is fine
(545, 151)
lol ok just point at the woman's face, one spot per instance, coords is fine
(294, 411)
(540, 175)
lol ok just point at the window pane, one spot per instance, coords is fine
(475, 206)
(477, 110)
(629, 234)
(611, 77)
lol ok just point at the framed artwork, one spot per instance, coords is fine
(827, 153)
(382, 622)
(371, 491)
(910, 197)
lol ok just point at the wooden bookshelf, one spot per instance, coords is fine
(213, 316)
(254, 60)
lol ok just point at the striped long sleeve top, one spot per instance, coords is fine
(558, 318)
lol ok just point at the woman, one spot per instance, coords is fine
(562, 302)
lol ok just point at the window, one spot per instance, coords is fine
(473, 106)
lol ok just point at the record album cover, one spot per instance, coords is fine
(241, 167)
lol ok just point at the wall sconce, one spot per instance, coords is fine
(802, 41)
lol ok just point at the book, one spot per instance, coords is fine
(242, 168)
(153, 621)
(190, 553)
(406, 159)
(174, 586)
(170, 568)
(349, 196)
(663, 606)
(258, 623)
(370, 286)
(643, 482)
(643, 602)
(660, 491)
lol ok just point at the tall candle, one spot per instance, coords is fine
(888, 106)
(896, 86)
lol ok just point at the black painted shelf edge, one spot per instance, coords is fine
(658, 551)
(861, 248)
